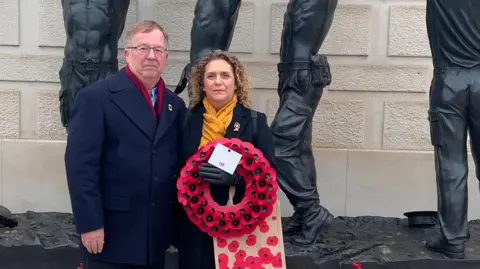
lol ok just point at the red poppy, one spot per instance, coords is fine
(264, 227)
(248, 229)
(265, 255)
(236, 144)
(277, 261)
(183, 198)
(191, 188)
(205, 152)
(252, 261)
(240, 255)
(233, 246)
(221, 242)
(235, 224)
(247, 219)
(222, 258)
(257, 154)
(256, 211)
(272, 240)
(239, 264)
(223, 266)
(209, 219)
(194, 160)
(357, 265)
(203, 209)
(197, 201)
(248, 148)
(258, 170)
(262, 198)
(267, 209)
(251, 240)
(248, 163)
(262, 184)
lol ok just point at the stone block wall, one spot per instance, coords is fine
(371, 134)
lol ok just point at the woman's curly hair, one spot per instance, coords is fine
(242, 83)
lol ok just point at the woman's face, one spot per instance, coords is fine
(219, 83)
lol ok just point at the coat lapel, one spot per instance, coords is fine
(238, 124)
(132, 103)
(169, 113)
(195, 126)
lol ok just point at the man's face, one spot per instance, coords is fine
(147, 55)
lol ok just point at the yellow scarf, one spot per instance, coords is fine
(215, 123)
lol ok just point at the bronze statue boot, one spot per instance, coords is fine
(300, 89)
(294, 225)
(315, 222)
(449, 250)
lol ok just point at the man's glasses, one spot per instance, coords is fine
(143, 50)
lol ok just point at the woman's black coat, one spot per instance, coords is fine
(196, 247)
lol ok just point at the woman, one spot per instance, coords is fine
(219, 107)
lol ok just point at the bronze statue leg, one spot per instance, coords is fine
(449, 118)
(93, 28)
(454, 97)
(212, 29)
(302, 77)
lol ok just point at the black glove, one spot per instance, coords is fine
(214, 175)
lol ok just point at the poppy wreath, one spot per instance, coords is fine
(230, 220)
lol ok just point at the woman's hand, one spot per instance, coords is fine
(214, 175)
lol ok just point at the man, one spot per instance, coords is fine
(121, 158)
(454, 35)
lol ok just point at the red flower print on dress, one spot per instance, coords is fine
(264, 228)
(265, 255)
(240, 255)
(272, 240)
(277, 261)
(239, 265)
(253, 262)
(251, 240)
(221, 243)
(223, 259)
(223, 266)
(233, 246)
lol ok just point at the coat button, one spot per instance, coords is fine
(155, 178)
(153, 204)
(153, 152)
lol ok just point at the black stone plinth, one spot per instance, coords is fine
(48, 240)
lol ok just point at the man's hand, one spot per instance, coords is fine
(93, 241)
(213, 175)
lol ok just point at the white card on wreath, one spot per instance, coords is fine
(225, 158)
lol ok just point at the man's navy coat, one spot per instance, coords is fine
(121, 168)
